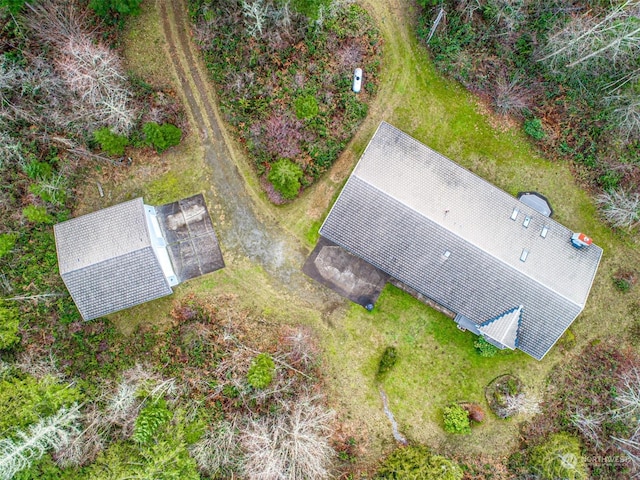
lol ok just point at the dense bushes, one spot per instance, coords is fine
(417, 462)
(484, 348)
(593, 402)
(534, 129)
(162, 136)
(569, 73)
(7, 241)
(301, 57)
(24, 400)
(387, 362)
(150, 419)
(285, 177)
(456, 419)
(36, 214)
(8, 326)
(115, 11)
(110, 142)
(306, 107)
(260, 372)
(559, 457)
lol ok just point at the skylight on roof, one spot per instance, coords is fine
(527, 219)
(514, 214)
(544, 231)
(524, 255)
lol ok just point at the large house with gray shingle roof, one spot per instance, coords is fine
(508, 272)
(132, 253)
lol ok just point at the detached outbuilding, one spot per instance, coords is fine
(505, 270)
(132, 253)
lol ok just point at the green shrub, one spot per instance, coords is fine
(610, 180)
(114, 11)
(162, 136)
(285, 177)
(172, 134)
(354, 109)
(52, 189)
(154, 136)
(260, 372)
(511, 386)
(42, 469)
(167, 458)
(8, 327)
(149, 421)
(13, 6)
(456, 420)
(558, 457)
(533, 128)
(37, 214)
(7, 241)
(387, 361)
(568, 340)
(35, 169)
(306, 107)
(417, 463)
(309, 8)
(24, 400)
(484, 348)
(622, 284)
(111, 143)
(230, 391)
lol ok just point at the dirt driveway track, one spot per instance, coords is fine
(243, 228)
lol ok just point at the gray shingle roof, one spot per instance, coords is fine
(107, 262)
(405, 206)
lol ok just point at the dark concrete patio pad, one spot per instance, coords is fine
(191, 242)
(344, 273)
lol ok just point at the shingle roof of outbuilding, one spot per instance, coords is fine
(449, 234)
(107, 262)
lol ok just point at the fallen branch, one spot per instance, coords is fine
(35, 297)
(85, 153)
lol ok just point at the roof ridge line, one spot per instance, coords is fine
(461, 237)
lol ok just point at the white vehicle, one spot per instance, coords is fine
(357, 80)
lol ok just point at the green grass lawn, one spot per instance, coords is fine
(437, 364)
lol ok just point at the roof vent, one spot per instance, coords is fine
(524, 255)
(580, 240)
(514, 214)
(544, 231)
(527, 219)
